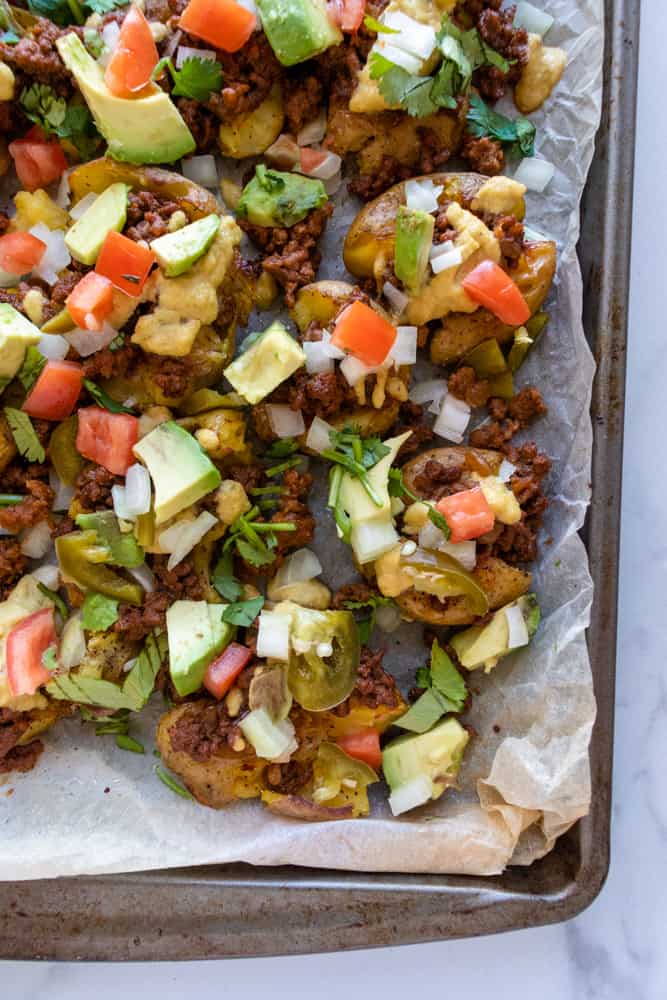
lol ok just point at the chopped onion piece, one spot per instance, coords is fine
(426, 392)
(404, 349)
(72, 643)
(48, 574)
(399, 57)
(516, 624)
(273, 636)
(395, 297)
(87, 342)
(333, 184)
(422, 195)
(396, 506)
(62, 198)
(536, 22)
(439, 248)
(36, 541)
(371, 539)
(313, 131)
(413, 36)
(330, 349)
(184, 52)
(301, 566)
(182, 537)
(328, 167)
(63, 494)
(445, 261)
(56, 256)
(453, 419)
(413, 793)
(431, 537)
(533, 235)
(535, 173)
(119, 499)
(388, 617)
(270, 740)
(201, 169)
(137, 490)
(283, 153)
(506, 471)
(318, 438)
(110, 35)
(285, 422)
(53, 346)
(83, 205)
(318, 360)
(144, 577)
(352, 369)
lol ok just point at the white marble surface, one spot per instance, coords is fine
(614, 951)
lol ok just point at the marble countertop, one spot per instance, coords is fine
(615, 950)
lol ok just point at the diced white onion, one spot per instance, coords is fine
(56, 256)
(329, 166)
(439, 248)
(535, 173)
(371, 539)
(318, 360)
(110, 35)
(318, 438)
(330, 349)
(144, 577)
(445, 261)
(399, 57)
(426, 392)
(285, 422)
(333, 184)
(533, 235)
(182, 537)
(431, 537)
(184, 52)
(413, 793)
(63, 494)
(201, 169)
(396, 506)
(137, 490)
(404, 349)
(395, 297)
(301, 566)
(83, 205)
(423, 195)
(36, 541)
(273, 636)
(72, 643)
(352, 369)
(87, 342)
(516, 624)
(313, 131)
(53, 346)
(120, 503)
(453, 419)
(48, 574)
(388, 617)
(270, 740)
(536, 22)
(283, 153)
(413, 36)
(62, 197)
(506, 471)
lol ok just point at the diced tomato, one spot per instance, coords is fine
(364, 744)
(134, 58)
(467, 513)
(20, 252)
(347, 14)
(54, 394)
(223, 671)
(38, 160)
(90, 301)
(493, 288)
(223, 23)
(364, 333)
(26, 644)
(107, 438)
(311, 158)
(125, 263)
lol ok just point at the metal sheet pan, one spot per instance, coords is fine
(242, 911)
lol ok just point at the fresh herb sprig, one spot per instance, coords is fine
(446, 691)
(397, 488)
(351, 453)
(197, 78)
(24, 434)
(366, 621)
(64, 12)
(517, 134)
(42, 105)
(254, 541)
(103, 399)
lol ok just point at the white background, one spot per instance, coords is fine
(614, 951)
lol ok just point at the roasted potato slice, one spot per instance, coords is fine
(319, 302)
(251, 133)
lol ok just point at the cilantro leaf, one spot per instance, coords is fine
(282, 448)
(423, 677)
(243, 613)
(54, 596)
(366, 623)
(436, 518)
(31, 368)
(197, 78)
(518, 133)
(104, 6)
(63, 12)
(55, 116)
(24, 435)
(104, 400)
(446, 679)
(223, 578)
(99, 612)
(254, 553)
(397, 488)
(371, 24)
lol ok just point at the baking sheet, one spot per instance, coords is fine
(92, 808)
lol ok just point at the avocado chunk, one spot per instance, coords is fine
(414, 238)
(275, 198)
(181, 471)
(147, 129)
(16, 334)
(195, 633)
(271, 358)
(177, 252)
(109, 211)
(298, 29)
(425, 765)
(485, 645)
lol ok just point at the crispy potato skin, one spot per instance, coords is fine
(450, 458)
(460, 332)
(41, 719)
(252, 133)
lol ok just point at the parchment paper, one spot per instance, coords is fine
(89, 807)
